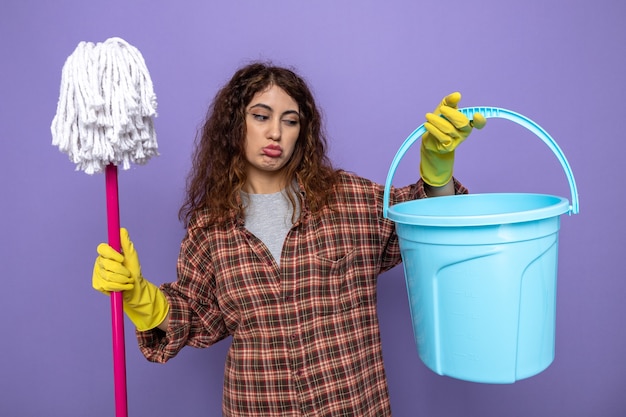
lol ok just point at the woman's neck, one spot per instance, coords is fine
(264, 184)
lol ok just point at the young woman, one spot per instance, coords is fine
(282, 253)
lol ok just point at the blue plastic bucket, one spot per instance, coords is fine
(481, 273)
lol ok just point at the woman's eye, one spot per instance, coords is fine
(259, 117)
(291, 122)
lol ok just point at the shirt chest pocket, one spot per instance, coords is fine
(334, 285)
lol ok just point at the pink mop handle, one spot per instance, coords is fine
(117, 307)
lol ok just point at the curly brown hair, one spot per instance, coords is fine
(218, 170)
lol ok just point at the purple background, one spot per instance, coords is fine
(376, 68)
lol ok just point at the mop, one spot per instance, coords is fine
(104, 120)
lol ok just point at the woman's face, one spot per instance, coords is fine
(273, 127)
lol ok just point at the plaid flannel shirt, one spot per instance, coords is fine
(305, 335)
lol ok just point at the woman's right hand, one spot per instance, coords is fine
(144, 303)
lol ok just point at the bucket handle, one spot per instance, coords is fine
(489, 113)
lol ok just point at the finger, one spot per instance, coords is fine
(443, 125)
(113, 268)
(96, 280)
(441, 142)
(106, 281)
(127, 245)
(131, 259)
(451, 100)
(108, 252)
(455, 117)
(478, 121)
(108, 287)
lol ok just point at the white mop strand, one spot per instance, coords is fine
(105, 109)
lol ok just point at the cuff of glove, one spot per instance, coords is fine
(149, 315)
(436, 168)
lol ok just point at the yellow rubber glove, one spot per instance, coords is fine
(443, 135)
(144, 303)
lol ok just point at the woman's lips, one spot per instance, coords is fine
(272, 151)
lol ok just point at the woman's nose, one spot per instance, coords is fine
(275, 130)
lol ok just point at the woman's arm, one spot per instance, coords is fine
(432, 191)
(165, 322)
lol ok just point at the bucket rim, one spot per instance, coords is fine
(557, 207)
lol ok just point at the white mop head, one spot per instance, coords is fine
(105, 109)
